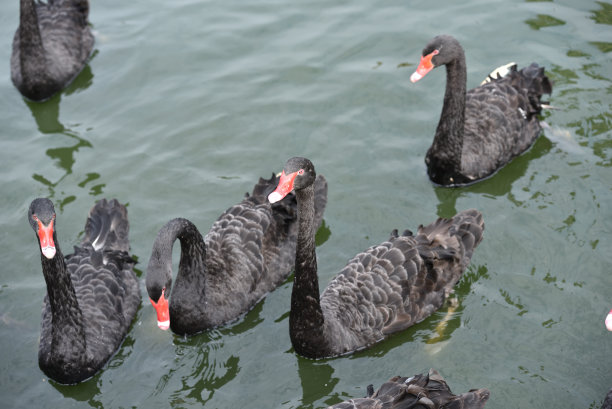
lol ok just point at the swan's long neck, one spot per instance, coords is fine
(68, 333)
(448, 141)
(192, 264)
(306, 318)
(30, 41)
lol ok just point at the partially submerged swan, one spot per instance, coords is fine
(419, 391)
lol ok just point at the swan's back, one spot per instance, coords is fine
(250, 250)
(50, 47)
(398, 283)
(501, 119)
(419, 391)
(107, 292)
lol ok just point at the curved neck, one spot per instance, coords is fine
(192, 264)
(68, 333)
(306, 317)
(449, 133)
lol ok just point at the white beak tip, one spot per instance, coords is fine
(609, 321)
(415, 77)
(274, 197)
(48, 252)
(163, 324)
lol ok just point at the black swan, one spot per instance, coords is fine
(385, 289)
(92, 295)
(419, 391)
(51, 46)
(247, 253)
(482, 129)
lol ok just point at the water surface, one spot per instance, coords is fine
(186, 103)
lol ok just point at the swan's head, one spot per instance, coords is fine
(441, 50)
(159, 282)
(297, 174)
(162, 308)
(41, 216)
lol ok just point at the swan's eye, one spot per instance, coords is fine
(301, 172)
(436, 52)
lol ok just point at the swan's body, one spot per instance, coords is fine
(247, 253)
(482, 129)
(51, 46)
(607, 404)
(385, 289)
(92, 295)
(419, 391)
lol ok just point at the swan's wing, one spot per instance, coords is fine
(501, 119)
(368, 297)
(402, 281)
(234, 246)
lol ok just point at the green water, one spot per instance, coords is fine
(186, 103)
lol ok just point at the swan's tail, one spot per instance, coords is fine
(107, 227)
(421, 390)
(534, 80)
(466, 226)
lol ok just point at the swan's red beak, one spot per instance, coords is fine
(609, 321)
(424, 66)
(285, 186)
(45, 236)
(163, 311)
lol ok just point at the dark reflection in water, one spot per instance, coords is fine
(498, 185)
(247, 322)
(85, 392)
(200, 372)
(317, 380)
(543, 20)
(322, 234)
(604, 15)
(197, 356)
(46, 115)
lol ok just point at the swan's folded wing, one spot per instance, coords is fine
(234, 246)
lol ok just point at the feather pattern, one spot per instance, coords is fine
(419, 391)
(385, 289)
(483, 129)
(247, 253)
(51, 46)
(92, 294)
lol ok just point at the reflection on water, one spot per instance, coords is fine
(497, 185)
(83, 80)
(87, 391)
(322, 234)
(200, 372)
(46, 115)
(604, 15)
(543, 20)
(317, 380)
(448, 317)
